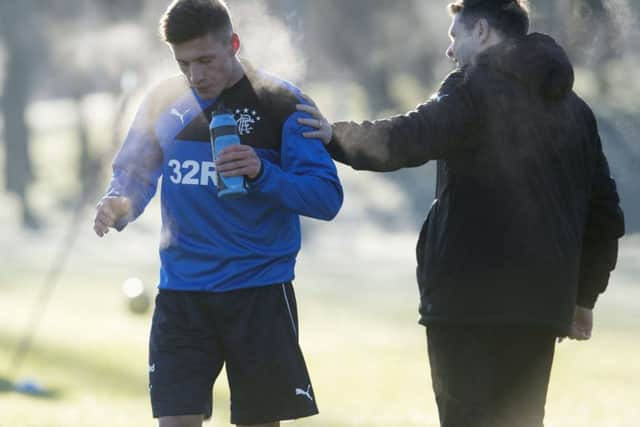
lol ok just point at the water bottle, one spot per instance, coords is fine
(224, 133)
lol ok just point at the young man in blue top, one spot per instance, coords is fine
(225, 293)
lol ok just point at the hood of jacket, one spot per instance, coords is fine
(536, 60)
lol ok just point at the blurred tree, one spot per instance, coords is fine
(88, 53)
(375, 42)
(352, 34)
(28, 30)
(24, 49)
(546, 18)
(594, 37)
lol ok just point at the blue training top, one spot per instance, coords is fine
(218, 245)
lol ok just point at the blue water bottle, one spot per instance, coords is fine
(224, 132)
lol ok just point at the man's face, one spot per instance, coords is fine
(207, 62)
(465, 43)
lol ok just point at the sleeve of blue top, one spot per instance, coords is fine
(137, 166)
(307, 180)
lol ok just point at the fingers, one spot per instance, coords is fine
(101, 223)
(100, 229)
(238, 160)
(579, 333)
(247, 167)
(321, 127)
(106, 217)
(314, 135)
(309, 109)
(314, 123)
(108, 212)
(582, 325)
(323, 130)
(234, 152)
(308, 100)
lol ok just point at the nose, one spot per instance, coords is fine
(449, 52)
(196, 73)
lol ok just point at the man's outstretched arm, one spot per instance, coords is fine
(435, 130)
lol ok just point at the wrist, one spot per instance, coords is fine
(257, 175)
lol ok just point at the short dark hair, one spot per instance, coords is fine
(510, 17)
(185, 20)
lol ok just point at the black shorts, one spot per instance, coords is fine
(253, 331)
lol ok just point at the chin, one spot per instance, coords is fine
(462, 64)
(207, 95)
(210, 93)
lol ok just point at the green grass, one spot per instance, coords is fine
(366, 354)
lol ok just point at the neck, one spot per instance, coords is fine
(237, 72)
(492, 40)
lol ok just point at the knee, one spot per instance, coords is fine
(181, 421)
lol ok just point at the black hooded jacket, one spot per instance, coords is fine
(526, 219)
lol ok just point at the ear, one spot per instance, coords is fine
(235, 43)
(482, 30)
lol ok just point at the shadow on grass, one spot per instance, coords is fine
(6, 386)
(29, 388)
(109, 374)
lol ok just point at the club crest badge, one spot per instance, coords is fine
(247, 120)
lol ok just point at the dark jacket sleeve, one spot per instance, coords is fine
(605, 225)
(435, 130)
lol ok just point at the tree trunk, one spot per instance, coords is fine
(18, 167)
(18, 42)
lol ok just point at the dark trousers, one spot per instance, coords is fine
(490, 376)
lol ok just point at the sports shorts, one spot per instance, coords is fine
(253, 332)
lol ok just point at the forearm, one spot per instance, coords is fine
(380, 146)
(138, 189)
(437, 129)
(605, 225)
(129, 192)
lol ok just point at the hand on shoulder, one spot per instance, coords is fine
(323, 130)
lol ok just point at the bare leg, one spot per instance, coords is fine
(181, 421)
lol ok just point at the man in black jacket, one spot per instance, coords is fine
(524, 229)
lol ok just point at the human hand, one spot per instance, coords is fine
(582, 325)
(239, 160)
(324, 131)
(109, 211)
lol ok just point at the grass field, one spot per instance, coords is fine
(366, 354)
